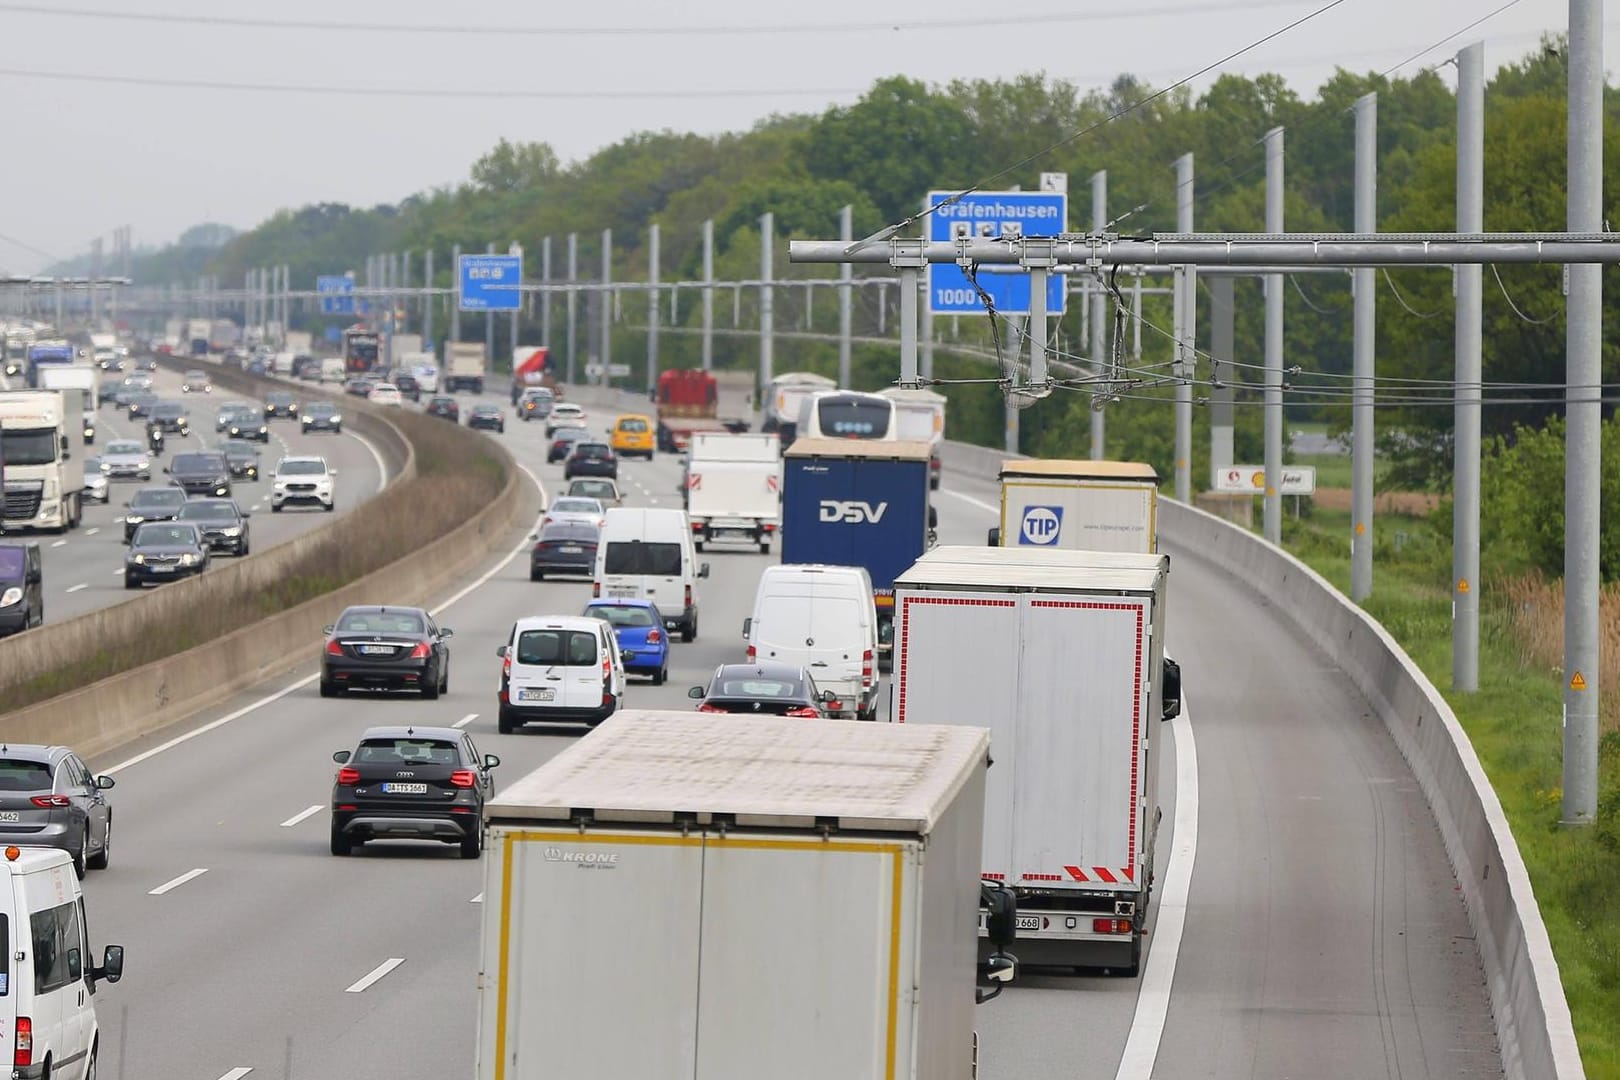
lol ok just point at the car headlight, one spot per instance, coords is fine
(231, 530)
(133, 519)
(143, 463)
(105, 467)
(138, 560)
(10, 596)
(188, 559)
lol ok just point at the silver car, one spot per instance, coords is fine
(48, 798)
(126, 459)
(96, 487)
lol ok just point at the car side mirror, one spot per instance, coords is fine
(748, 625)
(1170, 690)
(828, 697)
(624, 657)
(703, 571)
(247, 513)
(165, 468)
(331, 472)
(104, 782)
(1001, 969)
(112, 964)
(695, 693)
(326, 629)
(994, 538)
(491, 761)
(534, 536)
(1000, 914)
(501, 651)
(933, 518)
(445, 632)
(341, 756)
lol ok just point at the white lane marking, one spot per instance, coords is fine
(91, 532)
(302, 815)
(118, 521)
(59, 543)
(255, 507)
(479, 899)
(382, 466)
(376, 973)
(465, 720)
(118, 572)
(175, 883)
(237, 1073)
(81, 585)
(1153, 997)
(980, 503)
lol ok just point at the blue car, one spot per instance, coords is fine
(639, 628)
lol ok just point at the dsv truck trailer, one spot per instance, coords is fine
(1078, 505)
(678, 896)
(1061, 653)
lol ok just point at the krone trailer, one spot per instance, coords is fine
(1078, 505)
(1061, 653)
(678, 895)
(734, 487)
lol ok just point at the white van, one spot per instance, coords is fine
(333, 369)
(823, 618)
(559, 669)
(48, 981)
(647, 554)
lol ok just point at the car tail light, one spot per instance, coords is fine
(805, 712)
(348, 775)
(689, 596)
(866, 668)
(596, 589)
(24, 1041)
(333, 648)
(48, 801)
(545, 521)
(463, 778)
(697, 526)
(422, 650)
(769, 527)
(752, 654)
(506, 666)
(706, 707)
(654, 637)
(1111, 926)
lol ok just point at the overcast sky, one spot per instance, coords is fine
(84, 157)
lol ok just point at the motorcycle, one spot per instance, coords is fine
(154, 439)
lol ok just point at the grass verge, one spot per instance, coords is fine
(1514, 722)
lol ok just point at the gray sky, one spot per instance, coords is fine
(86, 157)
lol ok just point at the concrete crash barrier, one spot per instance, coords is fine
(1533, 1025)
(138, 702)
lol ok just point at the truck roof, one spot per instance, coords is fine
(920, 394)
(1079, 470)
(1042, 568)
(901, 450)
(661, 767)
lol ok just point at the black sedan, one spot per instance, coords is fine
(591, 459)
(164, 551)
(246, 423)
(562, 443)
(386, 647)
(151, 504)
(411, 783)
(408, 386)
(323, 416)
(139, 404)
(767, 689)
(487, 417)
(281, 405)
(202, 473)
(445, 407)
(170, 416)
(564, 547)
(223, 524)
(242, 458)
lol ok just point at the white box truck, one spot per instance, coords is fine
(1061, 653)
(1078, 505)
(465, 366)
(678, 895)
(734, 487)
(80, 377)
(44, 479)
(919, 415)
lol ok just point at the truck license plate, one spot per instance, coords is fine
(1029, 922)
(537, 693)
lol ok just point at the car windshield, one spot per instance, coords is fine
(166, 409)
(31, 447)
(636, 557)
(569, 434)
(633, 424)
(192, 463)
(239, 449)
(847, 417)
(595, 488)
(406, 751)
(301, 468)
(577, 532)
(570, 648)
(280, 399)
(576, 506)
(755, 687)
(622, 614)
(205, 510)
(20, 774)
(164, 535)
(380, 622)
(321, 408)
(158, 499)
(123, 446)
(11, 563)
(196, 376)
(593, 450)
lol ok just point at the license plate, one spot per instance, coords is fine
(10, 815)
(405, 789)
(376, 650)
(622, 592)
(163, 569)
(537, 693)
(1029, 922)
(570, 549)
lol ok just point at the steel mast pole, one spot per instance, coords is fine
(1186, 353)
(1274, 345)
(1469, 346)
(1365, 321)
(1099, 367)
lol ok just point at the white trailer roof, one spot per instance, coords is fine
(1039, 568)
(913, 395)
(660, 767)
(903, 450)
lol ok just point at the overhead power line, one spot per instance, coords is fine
(1113, 13)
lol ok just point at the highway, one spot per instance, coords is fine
(1323, 933)
(84, 568)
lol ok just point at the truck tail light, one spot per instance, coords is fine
(1110, 926)
(866, 668)
(24, 1042)
(596, 589)
(348, 775)
(463, 778)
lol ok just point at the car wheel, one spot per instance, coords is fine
(505, 724)
(764, 547)
(329, 507)
(330, 689)
(444, 683)
(660, 676)
(78, 856)
(100, 859)
(90, 1069)
(131, 583)
(697, 545)
(341, 844)
(537, 575)
(430, 689)
(275, 508)
(473, 846)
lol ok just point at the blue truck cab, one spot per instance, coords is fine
(858, 502)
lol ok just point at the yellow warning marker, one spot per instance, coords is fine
(1462, 585)
(1577, 681)
(1361, 528)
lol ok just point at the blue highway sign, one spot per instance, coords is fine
(481, 277)
(989, 215)
(337, 294)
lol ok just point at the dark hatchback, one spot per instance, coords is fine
(562, 443)
(223, 524)
(171, 417)
(139, 404)
(164, 551)
(564, 547)
(412, 783)
(408, 386)
(22, 588)
(591, 459)
(323, 416)
(242, 458)
(281, 405)
(764, 690)
(201, 473)
(487, 417)
(388, 648)
(151, 504)
(444, 407)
